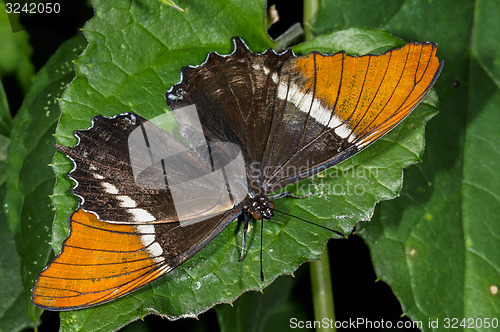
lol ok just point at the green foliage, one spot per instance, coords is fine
(256, 312)
(119, 78)
(5, 125)
(29, 178)
(436, 245)
(15, 52)
(14, 60)
(13, 316)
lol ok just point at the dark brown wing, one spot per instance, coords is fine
(106, 183)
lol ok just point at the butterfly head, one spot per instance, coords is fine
(261, 208)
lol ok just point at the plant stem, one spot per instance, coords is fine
(321, 283)
(310, 10)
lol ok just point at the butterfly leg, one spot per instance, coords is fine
(246, 220)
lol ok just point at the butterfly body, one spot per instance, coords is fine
(260, 207)
(274, 118)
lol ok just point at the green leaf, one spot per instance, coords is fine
(336, 14)
(134, 56)
(29, 177)
(481, 188)
(438, 245)
(356, 41)
(13, 316)
(254, 311)
(5, 126)
(15, 52)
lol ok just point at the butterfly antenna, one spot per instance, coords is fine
(310, 222)
(261, 237)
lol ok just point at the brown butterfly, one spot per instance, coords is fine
(292, 116)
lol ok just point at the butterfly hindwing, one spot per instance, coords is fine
(101, 261)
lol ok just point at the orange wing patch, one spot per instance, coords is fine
(100, 262)
(369, 95)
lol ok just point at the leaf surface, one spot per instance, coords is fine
(438, 245)
(30, 179)
(15, 52)
(13, 316)
(133, 58)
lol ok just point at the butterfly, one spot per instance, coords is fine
(275, 118)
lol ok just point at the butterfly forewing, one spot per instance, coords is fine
(106, 183)
(349, 108)
(297, 116)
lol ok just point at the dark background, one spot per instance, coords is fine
(356, 291)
